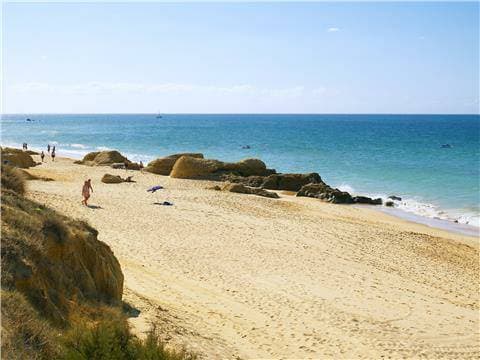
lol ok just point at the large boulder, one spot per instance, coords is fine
(164, 165)
(248, 167)
(103, 158)
(17, 158)
(367, 200)
(326, 193)
(242, 189)
(111, 179)
(187, 167)
(290, 182)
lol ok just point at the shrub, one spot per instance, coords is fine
(111, 339)
(24, 334)
(13, 179)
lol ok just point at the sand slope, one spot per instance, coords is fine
(238, 275)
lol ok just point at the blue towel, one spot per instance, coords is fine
(155, 188)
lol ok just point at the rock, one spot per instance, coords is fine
(31, 152)
(111, 179)
(118, 166)
(389, 203)
(290, 182)
(242, 189)
(367, 200)
(133, 166)
(393, 197)
(163, 166)
(252, 181)
(248, 167)
(187, 167)
(99, 158)
(215, 187)
(17, 158)
(324, 192)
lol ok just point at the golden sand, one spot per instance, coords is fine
(232, 275)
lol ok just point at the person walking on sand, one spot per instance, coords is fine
(141, 166)
(48, 148)
(53, 154)
(42, 155)
(87, 187)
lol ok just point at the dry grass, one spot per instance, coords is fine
(13, 179)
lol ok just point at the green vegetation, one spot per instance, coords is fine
(62, 287)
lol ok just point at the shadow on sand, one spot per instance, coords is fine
(94, 207)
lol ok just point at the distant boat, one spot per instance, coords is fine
(158, 116)
(28, 119)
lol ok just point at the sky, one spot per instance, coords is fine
(240, 58)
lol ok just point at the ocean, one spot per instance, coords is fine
(376, 155)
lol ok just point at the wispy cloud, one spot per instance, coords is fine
(170, 88)
(333, 29)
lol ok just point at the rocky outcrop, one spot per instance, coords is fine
(187, 167)
(289, 182)
(111, 179)
(103, 158)
(242, 189)
(164, 165)
(389, 203)
(17, 158)
(394, 197)
(367, 200)
(326, 193)
(247, 167)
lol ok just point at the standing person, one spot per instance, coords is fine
(125, 162)
(141, 166)
(42, 155)
(48, 149)
(53, 154)
(26, 146)
(87, 187)
(53, 150)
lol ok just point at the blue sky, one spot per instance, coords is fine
(241, 58)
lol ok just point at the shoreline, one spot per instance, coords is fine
(433, 222)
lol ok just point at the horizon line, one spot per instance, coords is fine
(226, 113)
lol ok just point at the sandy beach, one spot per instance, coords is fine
(241, 276)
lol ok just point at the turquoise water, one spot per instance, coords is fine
(369, 154)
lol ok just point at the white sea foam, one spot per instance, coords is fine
(421, 208)
(79, 146)
(103, 148)
(347, 188)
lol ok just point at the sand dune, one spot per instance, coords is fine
(232, 275)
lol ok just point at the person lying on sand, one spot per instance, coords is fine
(87, 186)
